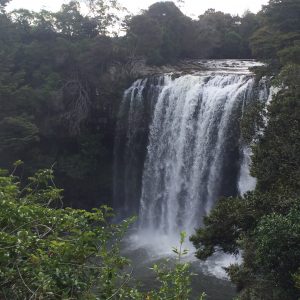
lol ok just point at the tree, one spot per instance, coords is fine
(175, 282)
(282, 15)
(47, 251)
(17, 133)
(275, 162)
(218, 35)
(56, 253)
(276, 241)
(249, 24)
(239, 224)
(3, 3)
(104, 14)
(70, 21)
(158, 33)
(279, 29)
(145, 36)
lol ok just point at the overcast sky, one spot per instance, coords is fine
(192, 8)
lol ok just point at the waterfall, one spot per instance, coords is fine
(131, 141)
(191, 136)
(178, 148)
(246, 182)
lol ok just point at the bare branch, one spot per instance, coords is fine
(122, 285)
(24, 281)
(78, 106)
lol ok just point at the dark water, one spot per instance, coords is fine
(215, 288)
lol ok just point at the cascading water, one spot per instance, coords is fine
(131, 143)
(178, 148)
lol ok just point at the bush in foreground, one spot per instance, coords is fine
(51, 252)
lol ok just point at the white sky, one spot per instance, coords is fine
(192, 8)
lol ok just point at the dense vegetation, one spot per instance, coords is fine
(48, 252)
(163, 34)
(62, 76)
(265, 224)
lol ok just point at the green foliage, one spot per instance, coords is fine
(61, 80)
(57, 253)
(289, 77)
(232, 218)
(158, 33)
(62, 76)
(218, 233)
(17, 133)
(252, 121)
(296, 278)
(57, 88)
(279, 28)
(277, 238)
(50, 252)
(70, 22)
(175, 282)
(283, 15)
(246, 224)
(162, 34)
(290, 55)
(271, 259)
(276, 162)
(104, 13)
(263, 43)
(218, 35)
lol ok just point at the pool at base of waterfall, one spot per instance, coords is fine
(208, 277)
(145, 248)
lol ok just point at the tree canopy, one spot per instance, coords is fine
(62, 76)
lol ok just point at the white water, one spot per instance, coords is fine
(187, 145)
(193, 152)
(246, 181)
